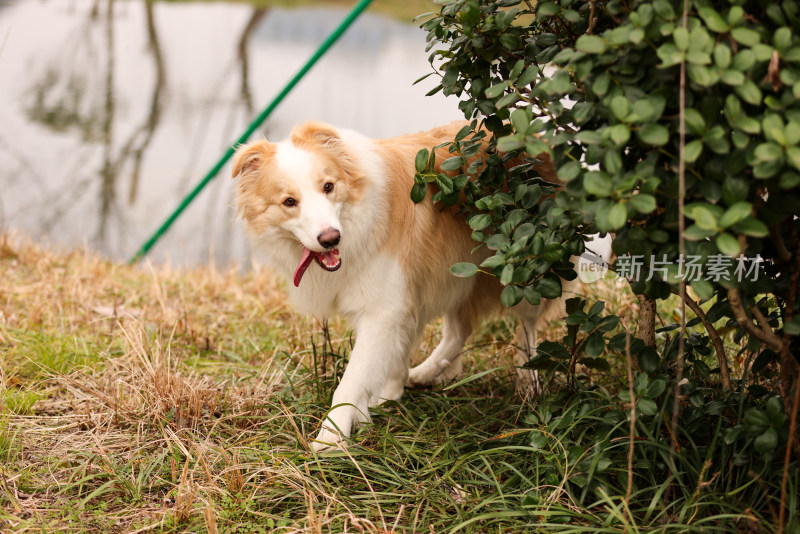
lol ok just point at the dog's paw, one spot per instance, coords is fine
(418, 378)
(327, 441)
(428, 374)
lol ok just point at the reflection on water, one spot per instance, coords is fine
(111, 111)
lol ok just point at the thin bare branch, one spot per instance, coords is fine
(676, 404)
(735, 300)
(762, 321)
(632, 435)
(716, 341)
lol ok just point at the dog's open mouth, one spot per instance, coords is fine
(330, 261)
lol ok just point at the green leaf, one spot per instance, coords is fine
(506, 101)
(619, 134)
(648, 360)
(722, 55)
(497, 89)
(536, 147)
(766, 442)
(736, 213)
(520, 120)
(749, 92)
(773, 129)
(703, 288)
(727, 244)
(745, 36)
(591, 44)
(681, 38)
(464, 270)
(619, 107)
(597, 183)
(713, 20)
(595, 345)
(792, 327)
(547, 9)
(768, 152)
(735, 15)
(533, 297)
(643, 110)
(601, 84)
(647, 406)
(793, 155)
(704, 218)
(510, 296)
(693, 150)
(653, 134)
(507, 274)
(695, 121)
(453, 163)
(480, 221)
(656, 388)
(789, 180)
(445, 184)
(549, 286)
(418, 192)
(735, 189)
(612, 161)
(569, 170)
(493, 261)
(751, 227)
(507, 144)
(421, 160)
(669, 54)
(617, 216)
(664, 9)
(643, 203)
(528, 76)
(732, 77)
(792, 132)
(695, 233)
(591, 137)
(701, 75)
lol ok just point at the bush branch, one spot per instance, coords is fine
(769, 338)
(716, 341)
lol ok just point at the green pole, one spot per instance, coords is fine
(332, 38)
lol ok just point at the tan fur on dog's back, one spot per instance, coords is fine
(434, 237)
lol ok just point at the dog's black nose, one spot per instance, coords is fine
(329, 238)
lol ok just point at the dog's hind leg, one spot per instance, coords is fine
(528, 381)
(444, 363)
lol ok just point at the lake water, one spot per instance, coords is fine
(111, 111)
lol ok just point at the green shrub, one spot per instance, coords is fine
(642, 114)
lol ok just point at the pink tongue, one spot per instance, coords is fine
(305, 261)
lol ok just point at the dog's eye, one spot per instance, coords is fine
(290, 202)
(328, 187)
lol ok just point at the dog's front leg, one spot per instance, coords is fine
(379, 359)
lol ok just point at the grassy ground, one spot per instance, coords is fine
(151, 399)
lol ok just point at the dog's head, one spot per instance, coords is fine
(298, 189)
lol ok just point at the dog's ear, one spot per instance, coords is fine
(250, 157)
(316, 133)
